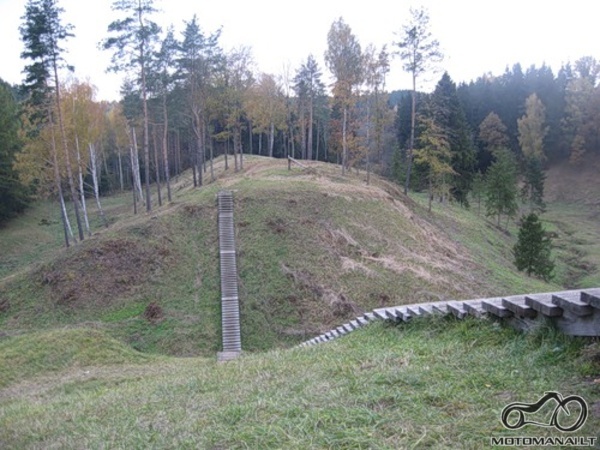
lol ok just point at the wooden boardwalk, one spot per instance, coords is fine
(575, 312)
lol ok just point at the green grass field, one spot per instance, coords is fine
(428, 384)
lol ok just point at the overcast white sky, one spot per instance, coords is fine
(477, 36)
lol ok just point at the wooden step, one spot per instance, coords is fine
(571, 301)
(441, 308)
(542, 303)
(591, 297)
(474, 308)
(426, 309)
(369, 316)
(458, 309)
(403, 314)
(516, 304)
(413, 310)
(362, 321)
(355, 323)
(392, 314)
(381, 313)
(494, 306)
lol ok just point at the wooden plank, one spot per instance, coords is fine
(591, 297)
(542, 303)
(474, 308)
(571, 301)
(457, 309)
(516, 304)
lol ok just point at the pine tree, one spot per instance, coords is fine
(433, 152)
(132, 39)
(13, 195)
(419, 51)
(501, 186)
(450, 116)
(532, 191)
(533, 249)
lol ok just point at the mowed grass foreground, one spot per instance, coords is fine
(434, 383)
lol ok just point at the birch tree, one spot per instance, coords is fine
(343, 58)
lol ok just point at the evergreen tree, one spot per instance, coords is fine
(433, 152)
(532, 191)
(478, 189)
(501, 186)
(450, 116)
(532, 131)
(13, 196)
(132, 40)
(533, 249)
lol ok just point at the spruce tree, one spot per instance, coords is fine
(501, 186)
(532, 191)
(533, 249)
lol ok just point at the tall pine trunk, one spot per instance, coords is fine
(165, 147)
(310, 129)
(411, 146)
(344, 141)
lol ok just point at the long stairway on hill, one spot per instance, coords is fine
(230, 307)
(574, 312)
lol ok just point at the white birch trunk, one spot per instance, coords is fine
(81, 188)
(94, 167)
(135, 164)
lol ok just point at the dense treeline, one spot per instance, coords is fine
(185, 101)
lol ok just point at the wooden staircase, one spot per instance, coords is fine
(230, 308)
(575, 312)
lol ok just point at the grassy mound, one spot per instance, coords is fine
(314, 250)
(34, 354)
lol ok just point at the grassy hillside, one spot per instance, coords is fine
(314, 249)
(84, 332)
(428, 384)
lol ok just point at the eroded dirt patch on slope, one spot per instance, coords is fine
(103, 272)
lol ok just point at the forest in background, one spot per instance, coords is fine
(186, 101)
